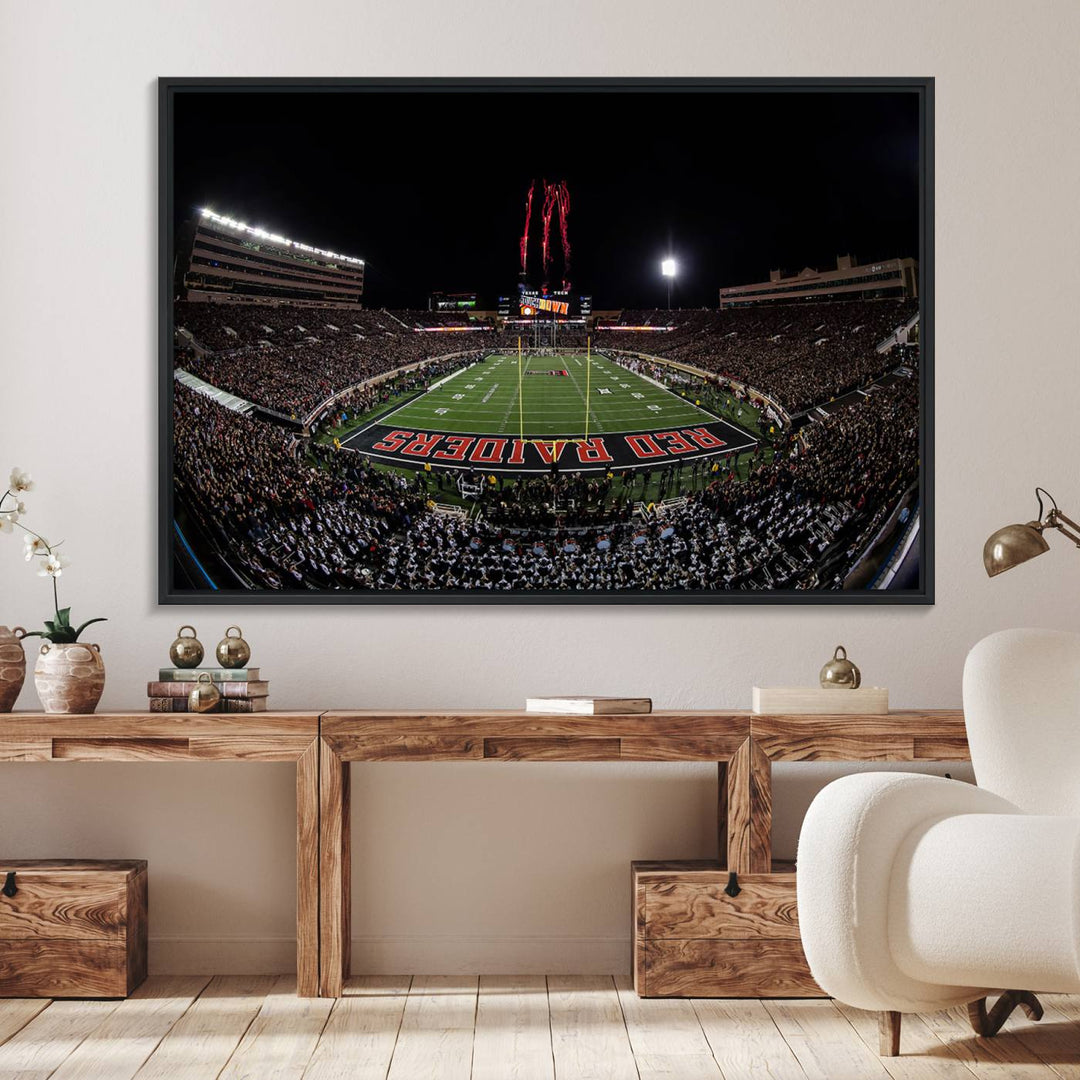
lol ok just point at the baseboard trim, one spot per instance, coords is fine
(431, 954)
(445, 954)
(221, 956)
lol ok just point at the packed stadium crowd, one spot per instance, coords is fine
(281, 521)
(291, 359)
(420, 319)
(553, 502)
(567, 336)
(798, 355)
(287, 514)
(224, 326)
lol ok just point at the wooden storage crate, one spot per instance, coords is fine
(72, 928)
(692, 939)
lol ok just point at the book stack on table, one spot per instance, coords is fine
(241, 689)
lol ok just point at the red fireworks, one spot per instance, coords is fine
(545, 240)
(562, 200)
(524, 242)
(556, 197)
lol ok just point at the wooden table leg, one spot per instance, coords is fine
(749, 810)
(760, 810)
(722, 813)
(307, 872)
(334, 872)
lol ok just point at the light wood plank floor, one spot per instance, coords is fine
(524, 1027)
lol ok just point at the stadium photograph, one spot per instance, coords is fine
(588, 341)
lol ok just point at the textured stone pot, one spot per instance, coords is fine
(69, 678)
(12, 666)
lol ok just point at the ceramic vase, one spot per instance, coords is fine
(69, 678)
(12, 666)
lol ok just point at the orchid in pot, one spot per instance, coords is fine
(69, 675)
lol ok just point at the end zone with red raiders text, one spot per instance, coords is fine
(504, 454)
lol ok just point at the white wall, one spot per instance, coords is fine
(495, 867)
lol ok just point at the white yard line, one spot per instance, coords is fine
(623, 372)
(419, 409)
(513, 399)
(446, 378)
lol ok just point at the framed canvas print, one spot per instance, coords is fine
(542, 340)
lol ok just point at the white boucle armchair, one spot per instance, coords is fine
(918, 893)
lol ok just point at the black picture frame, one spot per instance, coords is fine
(170, 88)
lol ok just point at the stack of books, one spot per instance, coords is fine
(241, 689)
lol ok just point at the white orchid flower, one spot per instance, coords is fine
(34, 545)
(53, 566)
(7, 520)
(20, 480)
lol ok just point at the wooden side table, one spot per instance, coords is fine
(260, 737)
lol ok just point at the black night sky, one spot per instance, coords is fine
(429, 188)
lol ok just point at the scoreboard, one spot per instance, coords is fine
(543, 303)
(442, 301)
(533, 303)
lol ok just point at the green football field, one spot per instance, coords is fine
(485, 400)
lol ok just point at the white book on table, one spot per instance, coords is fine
(580, 705)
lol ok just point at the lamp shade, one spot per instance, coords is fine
(1012, 545)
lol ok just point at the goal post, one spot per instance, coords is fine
(521, 393)
(554, 441)
(588, 382)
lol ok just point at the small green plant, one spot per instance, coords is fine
(51, 563)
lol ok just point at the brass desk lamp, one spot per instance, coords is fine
(1014, 544)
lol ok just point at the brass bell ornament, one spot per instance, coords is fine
(186, 651)
(840, 673)
(204, 695)
(233, 652)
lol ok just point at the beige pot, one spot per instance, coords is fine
(12, 666)
(69, 678)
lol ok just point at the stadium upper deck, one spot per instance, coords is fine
(231, 260)
(849, 281)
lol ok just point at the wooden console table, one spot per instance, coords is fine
(261, 737)
(322, 745)
(743, 745)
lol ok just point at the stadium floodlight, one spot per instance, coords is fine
(668, 268)
(261, 234)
